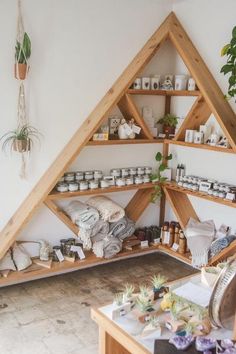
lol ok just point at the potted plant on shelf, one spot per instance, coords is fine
(22, 55)
(159, 290)
(20, 139)
(230, 67)
(169, 122)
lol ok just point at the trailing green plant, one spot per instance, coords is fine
(171, 120)
(156, 177)
(158, 281)
(229, 50)
(23, 50)
(25, 133)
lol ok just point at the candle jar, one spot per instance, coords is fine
(104, 183)
(93, 184)
(140, 171)
(83, 185)
(129, 180)
(98, 174)
(148, 170)
(79, 176)
(132, 171)
(124, 172)
(62, 179)
(221, 194)
(73, 186)
(69, 177)
(88, 175)
(62, 187)
(115, 172)
(146, 178)
(215, 193)
(54, 255)
(63, 243)
(216, 186)
(138, 179)
(210, 192)
(120, 182)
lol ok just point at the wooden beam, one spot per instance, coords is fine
(199, 114)
(138, 203)
(129, 110)
(32, 203)
(181, 206)
(163, 197)
(62, 216)
(204, 79)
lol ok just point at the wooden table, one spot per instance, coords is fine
(113, 339)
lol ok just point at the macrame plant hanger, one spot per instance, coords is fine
(21, 105)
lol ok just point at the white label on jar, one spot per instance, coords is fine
(136, 129)
(166, 237)
(59, 255)
(144, 244)
(79, 250)
(156, 241)
(175, 247)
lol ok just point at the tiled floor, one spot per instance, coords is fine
(52, 316)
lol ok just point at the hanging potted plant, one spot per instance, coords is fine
(22, 55)
(169, 122)
(21, 139)
(159, 290)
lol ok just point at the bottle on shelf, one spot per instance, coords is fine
(182, 243)
(165, 233)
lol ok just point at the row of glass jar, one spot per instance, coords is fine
(65, 249)
(193, 182)
(97, 174)
(103, 183)
(211, 191)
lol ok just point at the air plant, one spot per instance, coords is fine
(118, 299)
(144, 304)
(158, 281)
(20, 139)
(128, 290)
(154, 321)
(144, 291)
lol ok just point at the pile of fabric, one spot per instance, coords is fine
(102, 225)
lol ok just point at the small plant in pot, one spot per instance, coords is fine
(159, 290)
(169, 122)
(22, 55)
(21, 139)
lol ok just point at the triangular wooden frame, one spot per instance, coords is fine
(170, 28)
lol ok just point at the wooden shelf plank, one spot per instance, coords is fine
(138, 203)
(125, 142)
(224, 254)
(174, 187)
(182, 257)
(65, 267)
(200, 146)
(164, 92)
(57, 195)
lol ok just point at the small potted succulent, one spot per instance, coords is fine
(159, 290)
(22, 55)
(169, 122)
(20, 139)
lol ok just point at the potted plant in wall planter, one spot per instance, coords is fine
(169, 122)
(159, 290)
(20, 139)
(22, 55)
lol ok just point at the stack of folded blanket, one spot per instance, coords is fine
(102, 225)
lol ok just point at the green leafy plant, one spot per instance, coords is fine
(26, 135)
(170, 120)
(158, 281)
(229, 50)
(23, 51)
(156, 177)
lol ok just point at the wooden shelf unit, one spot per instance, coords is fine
(125, 142)
(164, 92)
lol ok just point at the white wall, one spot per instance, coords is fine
(209, 25)
(79, 48)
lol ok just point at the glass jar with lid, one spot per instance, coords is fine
(69, 176)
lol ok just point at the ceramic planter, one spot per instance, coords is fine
(159, 293)
(21, 145)
(168, 130)
(21, 71)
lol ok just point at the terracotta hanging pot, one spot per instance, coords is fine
(21, 145)
(168, 130)
(21, 71)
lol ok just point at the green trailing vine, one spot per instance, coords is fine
(229, 50)
(157, 177)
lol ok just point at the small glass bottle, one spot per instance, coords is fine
(182, 243)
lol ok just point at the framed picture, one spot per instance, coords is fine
(114, 123)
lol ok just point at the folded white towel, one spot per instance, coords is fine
(82, 214)
(109, 210)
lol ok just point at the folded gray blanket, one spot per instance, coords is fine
(108, 247)
(218, 245)
(82, 214)
(122, 228)
(99, 231)
(109, 210)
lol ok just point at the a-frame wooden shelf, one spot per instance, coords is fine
(200, 146)
(164, 92)
(125, 142)
(209, 100)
